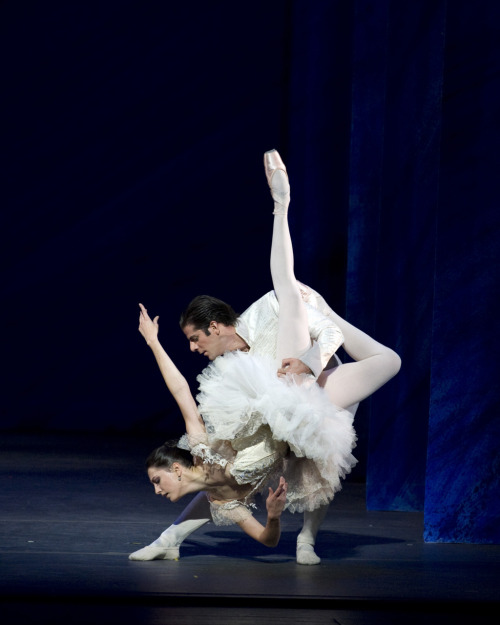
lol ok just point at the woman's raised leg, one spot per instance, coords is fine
(293, 330)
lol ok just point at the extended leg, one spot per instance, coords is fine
(352, 382)
(166, 547)
(293, 332)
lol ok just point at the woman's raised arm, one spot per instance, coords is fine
(175, 381)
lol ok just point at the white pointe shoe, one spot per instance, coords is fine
(279, 185)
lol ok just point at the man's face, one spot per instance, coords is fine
(210, 346)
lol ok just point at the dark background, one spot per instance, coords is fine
(132, 136)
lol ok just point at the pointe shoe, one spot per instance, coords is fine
(280, 189)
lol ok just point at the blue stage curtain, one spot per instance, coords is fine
(462, 495)
(397, 79)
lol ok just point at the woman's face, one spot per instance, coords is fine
(166, 483)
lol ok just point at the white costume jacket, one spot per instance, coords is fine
(258, 327)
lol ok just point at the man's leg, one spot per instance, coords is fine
(166, 547)
(307, 537)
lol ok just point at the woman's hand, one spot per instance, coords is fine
(270, 534)
(276, 500)
(147, 327)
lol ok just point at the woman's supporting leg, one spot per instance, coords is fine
(166, 547)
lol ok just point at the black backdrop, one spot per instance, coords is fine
(132, 139)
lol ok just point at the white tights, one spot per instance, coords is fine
(348, 383)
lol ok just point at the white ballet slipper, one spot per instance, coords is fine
(155, 552)
(307, 555)
(166, 546)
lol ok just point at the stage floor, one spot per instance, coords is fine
(73, 508)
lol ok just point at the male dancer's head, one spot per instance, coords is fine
(210, 326)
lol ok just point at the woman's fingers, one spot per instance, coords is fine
(277, 499)
(143, 315)
(283, 487)
(280, 490)
(148, 327)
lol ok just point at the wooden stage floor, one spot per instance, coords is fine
(73, 508)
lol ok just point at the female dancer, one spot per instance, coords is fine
(255, 425)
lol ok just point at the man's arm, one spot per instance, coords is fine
(326, 338)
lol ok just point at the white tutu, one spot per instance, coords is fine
(241, 397)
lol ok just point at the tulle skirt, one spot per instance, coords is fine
(242, 401)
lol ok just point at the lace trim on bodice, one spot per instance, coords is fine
(230, 512)
(200, 448)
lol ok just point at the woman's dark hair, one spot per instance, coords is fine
(203, 309)
(164, 456)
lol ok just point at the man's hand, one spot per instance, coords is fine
(293, 366)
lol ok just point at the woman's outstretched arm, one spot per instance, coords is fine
(175, 381)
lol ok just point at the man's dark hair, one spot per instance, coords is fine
(203, 309)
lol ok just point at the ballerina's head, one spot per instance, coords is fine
(170, 470)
